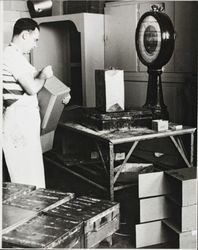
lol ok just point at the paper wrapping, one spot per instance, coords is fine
(109, 90)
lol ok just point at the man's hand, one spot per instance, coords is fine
(66, 99)
(33, 85)
(46, 72)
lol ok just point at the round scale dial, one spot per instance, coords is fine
(149, 39)
(154, 39)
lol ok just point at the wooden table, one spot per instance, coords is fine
(130, 136)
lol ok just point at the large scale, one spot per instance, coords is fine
(155, 38)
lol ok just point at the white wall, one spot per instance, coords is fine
(12, 10)
(179, 77)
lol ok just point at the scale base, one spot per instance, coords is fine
(154, 98)
(158, 112)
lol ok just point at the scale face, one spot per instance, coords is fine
(149, 39)
(154, 39)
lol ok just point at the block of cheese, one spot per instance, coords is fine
(50, 102)
(109, 90)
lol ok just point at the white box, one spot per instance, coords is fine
(160, 125)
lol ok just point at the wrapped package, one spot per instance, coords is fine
(109, 90)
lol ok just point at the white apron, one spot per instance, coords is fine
(21, 142)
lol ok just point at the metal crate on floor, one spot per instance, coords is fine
(100, 217)
(13, 190)
(45, 231)
(40, 199)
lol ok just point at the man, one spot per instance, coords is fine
(21, 118)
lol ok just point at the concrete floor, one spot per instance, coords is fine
(58, 179)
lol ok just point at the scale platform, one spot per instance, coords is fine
(97, 120)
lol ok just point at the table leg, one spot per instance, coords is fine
(111, 171)
(125, 160)
(180, 151)
(63, 145)
(101, 157)
(191, 149)
(180, 143)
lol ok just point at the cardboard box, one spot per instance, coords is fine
(181, 240)
(51, 105)
(183, 184)
(183, 218)
(47, 141)
(160, 125)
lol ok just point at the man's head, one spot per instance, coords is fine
(26, 34)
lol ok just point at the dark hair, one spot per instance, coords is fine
(24, 24)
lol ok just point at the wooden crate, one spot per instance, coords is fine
(40, 199)
(100, 217)
(13, 190)
(45, 231)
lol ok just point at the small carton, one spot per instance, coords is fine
(175, 126)
(160, 125)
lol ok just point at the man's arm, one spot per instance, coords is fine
(32, 85)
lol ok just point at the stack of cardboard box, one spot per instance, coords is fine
(168, 205)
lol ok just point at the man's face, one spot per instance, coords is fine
(30, 41)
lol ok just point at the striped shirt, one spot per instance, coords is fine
(12, 90)
(14, 65)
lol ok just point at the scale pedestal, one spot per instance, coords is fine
(155, 41)
(154, 98)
